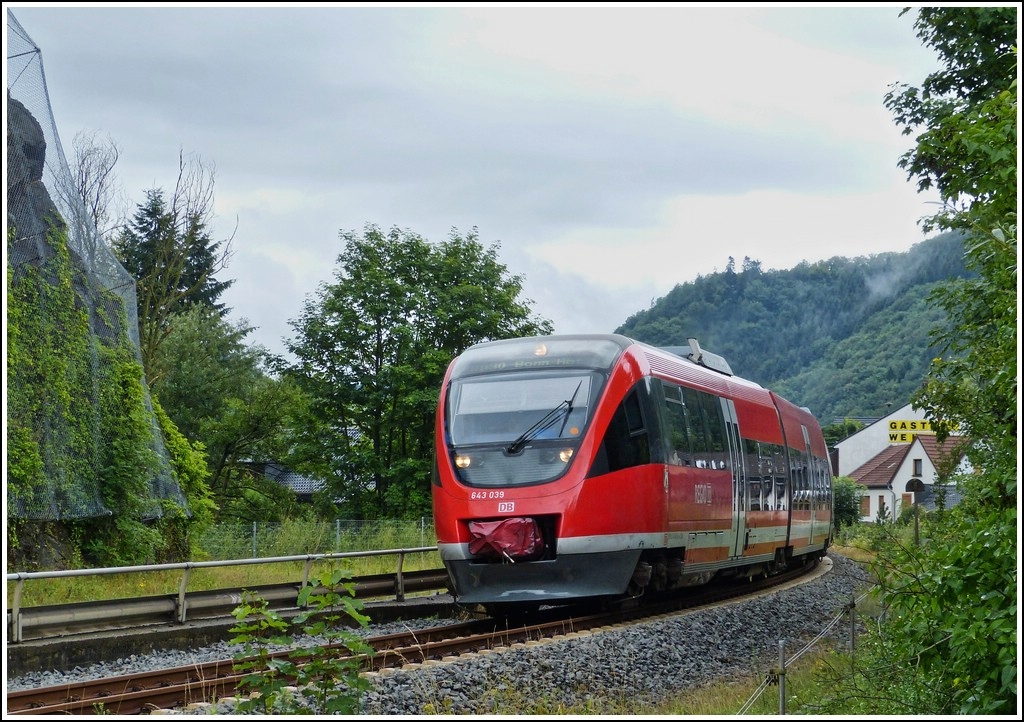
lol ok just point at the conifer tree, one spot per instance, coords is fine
(167, 247)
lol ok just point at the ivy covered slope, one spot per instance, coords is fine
(843, 337)
(86, 482)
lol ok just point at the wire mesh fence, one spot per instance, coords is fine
(72, 315)
(272, 539)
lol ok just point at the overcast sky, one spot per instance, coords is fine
(611, 151)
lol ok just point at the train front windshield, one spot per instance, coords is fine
(518, 429)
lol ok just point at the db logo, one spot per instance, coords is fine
(506, 506)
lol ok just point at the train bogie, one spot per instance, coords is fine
(577, 467)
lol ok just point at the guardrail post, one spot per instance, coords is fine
(16, 611)
(182, 600)
(399, 580)
(306, 572)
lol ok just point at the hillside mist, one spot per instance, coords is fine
(844, 337)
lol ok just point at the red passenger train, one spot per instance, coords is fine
(597, 467)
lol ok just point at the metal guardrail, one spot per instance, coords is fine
(190, 606)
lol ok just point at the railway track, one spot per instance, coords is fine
(180, 687)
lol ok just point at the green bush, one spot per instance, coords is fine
(327, 683)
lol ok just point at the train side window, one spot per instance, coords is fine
(714, 421)
(827, 470)
(695, 429)
(675, 415)
(634, 417)
(625, 443)
(825, 477)
(820, 479)
(798, 470)
(712, 406)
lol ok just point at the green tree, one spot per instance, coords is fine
(846, 495)
(220, 392)
(949, 645)
(372, 349)
(188, 464)
(966, 115)
(834, 433)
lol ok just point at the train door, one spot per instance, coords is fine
(739, 477)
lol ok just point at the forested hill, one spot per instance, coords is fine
(843, 337)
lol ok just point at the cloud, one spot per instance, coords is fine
(612, 152)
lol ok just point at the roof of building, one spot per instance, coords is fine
(302, 485)
(938, 452)
(948, 494)
(879, 470)
(882, 467)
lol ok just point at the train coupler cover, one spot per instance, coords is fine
(515, 539)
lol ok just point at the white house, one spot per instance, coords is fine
(899, 427)
(885, 456)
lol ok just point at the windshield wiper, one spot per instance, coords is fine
(547, 420)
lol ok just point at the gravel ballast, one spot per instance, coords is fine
(636, 665)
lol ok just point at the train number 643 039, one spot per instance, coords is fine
(487, 495)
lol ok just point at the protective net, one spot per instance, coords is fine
(71, 324)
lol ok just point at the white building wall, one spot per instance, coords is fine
(876, 498)
(895, 428)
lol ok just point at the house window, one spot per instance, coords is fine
(907, 501)
(884, 512)
(918, 468)
(865, 506)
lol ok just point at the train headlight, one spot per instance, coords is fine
(565, 455)
(462, 461)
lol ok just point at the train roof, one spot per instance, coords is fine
(694, 353)
(691, 352)
(714, 370)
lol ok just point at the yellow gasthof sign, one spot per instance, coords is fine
(903, 432)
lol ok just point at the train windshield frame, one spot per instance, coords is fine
(501, 408)
(533, 398)
(519, 429)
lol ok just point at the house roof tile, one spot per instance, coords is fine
(879, 470)
(882, 467)
(938, 452)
